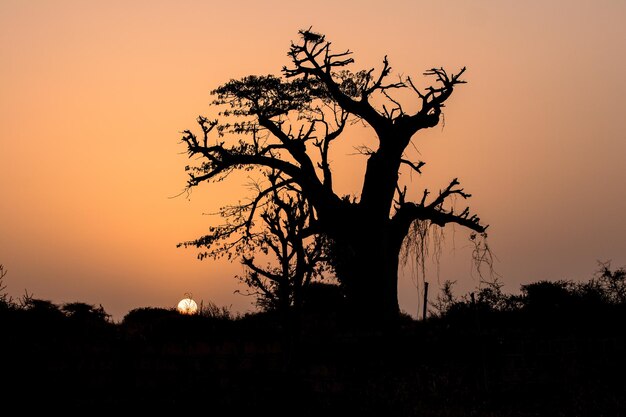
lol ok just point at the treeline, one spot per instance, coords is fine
(606, 288)
(555, 349)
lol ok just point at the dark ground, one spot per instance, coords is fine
(470, 362)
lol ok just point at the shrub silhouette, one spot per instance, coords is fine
(549, 297)
(611, 283)
(84, 312)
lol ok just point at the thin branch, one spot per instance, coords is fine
(416, 167)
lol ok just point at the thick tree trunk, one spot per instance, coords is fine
(366, 248)
(366, 265)
(372, 283)
(379, 183)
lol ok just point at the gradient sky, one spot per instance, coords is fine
(94, 95)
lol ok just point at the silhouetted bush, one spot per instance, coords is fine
(84, 312)
(611, 284)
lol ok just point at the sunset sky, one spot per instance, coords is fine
(94, 95)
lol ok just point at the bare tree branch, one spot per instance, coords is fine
(416, 167)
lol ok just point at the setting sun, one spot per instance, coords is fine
(187, 306)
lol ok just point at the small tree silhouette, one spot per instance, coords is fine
(299, 257)
(611, 282)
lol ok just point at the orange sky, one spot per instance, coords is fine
(93, 96)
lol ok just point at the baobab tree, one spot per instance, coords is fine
(286, 125)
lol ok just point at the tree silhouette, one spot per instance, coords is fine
(87, 313)
(6, 302)
(611, 283)
(300, 258)
(285, 126)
